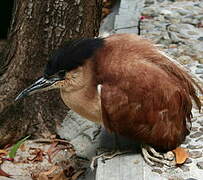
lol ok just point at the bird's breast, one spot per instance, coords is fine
(87, 107)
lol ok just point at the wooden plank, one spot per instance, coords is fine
(125, 167)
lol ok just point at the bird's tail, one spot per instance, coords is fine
(189, 81)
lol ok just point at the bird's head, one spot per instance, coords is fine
(64, 66)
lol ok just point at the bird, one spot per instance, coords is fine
(126, 84)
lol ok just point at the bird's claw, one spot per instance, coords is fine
(151, 156)
(106, 156)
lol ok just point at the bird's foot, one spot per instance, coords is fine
(106, 156)
(151, 156)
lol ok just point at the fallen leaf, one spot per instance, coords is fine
(60, 176)
(77, 174)
(39, 153)
(3, 173)
(23, 147)
(44, 175)
(51, 150)
(3, 152)
(181, 155)
(15, 147)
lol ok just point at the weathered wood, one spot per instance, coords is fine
(125, 167)
(37, 28)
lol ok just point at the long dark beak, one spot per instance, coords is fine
(41, 84)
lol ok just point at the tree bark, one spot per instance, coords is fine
(37, 28)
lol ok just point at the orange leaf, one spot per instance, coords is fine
(181, 155)
(60, 176)
(3, 152)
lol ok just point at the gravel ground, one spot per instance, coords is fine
(177, 27)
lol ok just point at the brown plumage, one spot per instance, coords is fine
(126, 84)
(144, 96)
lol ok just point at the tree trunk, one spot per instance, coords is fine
(37, 28)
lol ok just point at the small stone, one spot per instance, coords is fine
(200, 122)
(200, 39)
(195, 154)
(166, 12)
(174, 37)
(196, 135)
(200, 139)
(173, 46)
(184, 168)
(183, 12)
(188, 161)
(187, 140)
(199, 71)
(194, 128)
(192, 33)
(200, 66)
(185, 59)
(160, 1)
(173, 28)
(175, 178)
(200, 60)
(193, 119)
(201, 129)
(148, 2)
(150, 11)
(159, 171)
(200, 165)
(194, 146)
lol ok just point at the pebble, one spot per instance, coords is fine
(175, 178)
(201, 129)
(195, 154)
(200, 39)
(187, 141)
(194, 128)
(200, 165)
(185, 59)
(188, 161)
(196, 135)
(159, 171)
(200, 139)
(195, 146)
(200, 122)
(184, 168)
(200, 66)
(199, 71)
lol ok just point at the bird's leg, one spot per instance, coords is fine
(151, 155)
(110, 154)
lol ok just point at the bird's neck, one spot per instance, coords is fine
(84, 100)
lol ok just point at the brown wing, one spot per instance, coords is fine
(144, 96)
(153, 112)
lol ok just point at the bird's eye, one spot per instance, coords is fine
(61, 73)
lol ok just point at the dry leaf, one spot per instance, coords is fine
(3, 173)
(77, 174)
(181, 155)
(44, 175)
(23, 147)
(3, 152)
(39, 153)
(60, 176)
(51, 150)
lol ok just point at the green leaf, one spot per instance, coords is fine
(15, 147)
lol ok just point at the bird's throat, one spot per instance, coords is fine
(86, 102)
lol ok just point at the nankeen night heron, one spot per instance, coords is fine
(128, 85)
